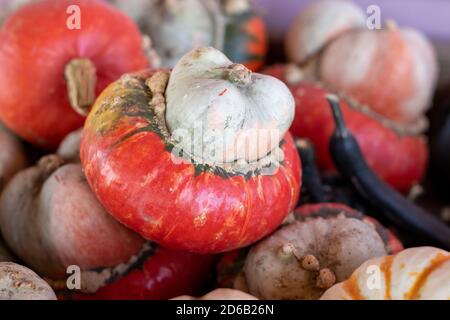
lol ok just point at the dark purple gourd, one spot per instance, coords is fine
(350, 162)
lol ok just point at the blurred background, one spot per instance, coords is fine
(432, 17)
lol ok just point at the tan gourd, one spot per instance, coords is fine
(303, 259)
(51, 219)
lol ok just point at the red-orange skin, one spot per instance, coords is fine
(399, 160)
(256, 29)
(380, 77)
(35, 46)
(139, 183)
(325, 210)
(246, 40)
(164, 275)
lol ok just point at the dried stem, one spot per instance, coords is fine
(81, 79)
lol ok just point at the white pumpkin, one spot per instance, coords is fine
(221, 112)
(318, 24)
(417, 273)
(177, 26)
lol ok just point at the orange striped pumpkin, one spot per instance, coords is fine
(413, 274)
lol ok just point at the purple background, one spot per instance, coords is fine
(429, 16)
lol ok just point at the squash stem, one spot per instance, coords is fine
(81, 79)
(341, 128)
(239, 74)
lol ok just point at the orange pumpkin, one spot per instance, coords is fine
(153, 166)
(392, 71)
